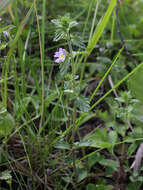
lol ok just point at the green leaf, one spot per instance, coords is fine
(5, 175)
(90, 186)
(93, 159)
(132, 149)
(138, 112)
(73, 24)
(62, 145)
(6, 124)
(58, 114)
(110, 163)
(50, 98)
(82, 174)
(64, 66)
(83, 103)
(113, 137)
(22, 106)
(84, 143)
(135, 84)
(77, 41)
(3, 45)
(98, 139)
(104, 187)
(59, 34)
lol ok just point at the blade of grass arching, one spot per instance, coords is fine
(105, 75)
(11, 49)
(41, 44)
(90, 36)
(117, 85)
(100, 27)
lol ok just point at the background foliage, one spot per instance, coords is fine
(75, 124)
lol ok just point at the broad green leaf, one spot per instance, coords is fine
(83, 103)
(132, 149)
(93, 159)
(82, 174)
(138, 112)
(135, 84)
(98, 139)
(6, 124)
(110, 163)
(113, 137)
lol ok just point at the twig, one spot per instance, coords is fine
(138, 158)
(121, 36)
(114, 90)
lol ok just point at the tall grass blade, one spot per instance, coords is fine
(19, 31)
(100, 27)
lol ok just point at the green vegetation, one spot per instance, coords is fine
(71, 98)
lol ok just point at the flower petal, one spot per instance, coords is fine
(57, 54)
(58, 60)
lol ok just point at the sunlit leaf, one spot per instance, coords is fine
(135, 84)
(5, 175)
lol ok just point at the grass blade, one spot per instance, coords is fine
(100, 28)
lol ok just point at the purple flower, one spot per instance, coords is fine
(5, 33)
(60, 55)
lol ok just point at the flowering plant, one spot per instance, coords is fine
(68, 66)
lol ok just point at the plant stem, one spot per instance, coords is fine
(74, 105)
(41, 43)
